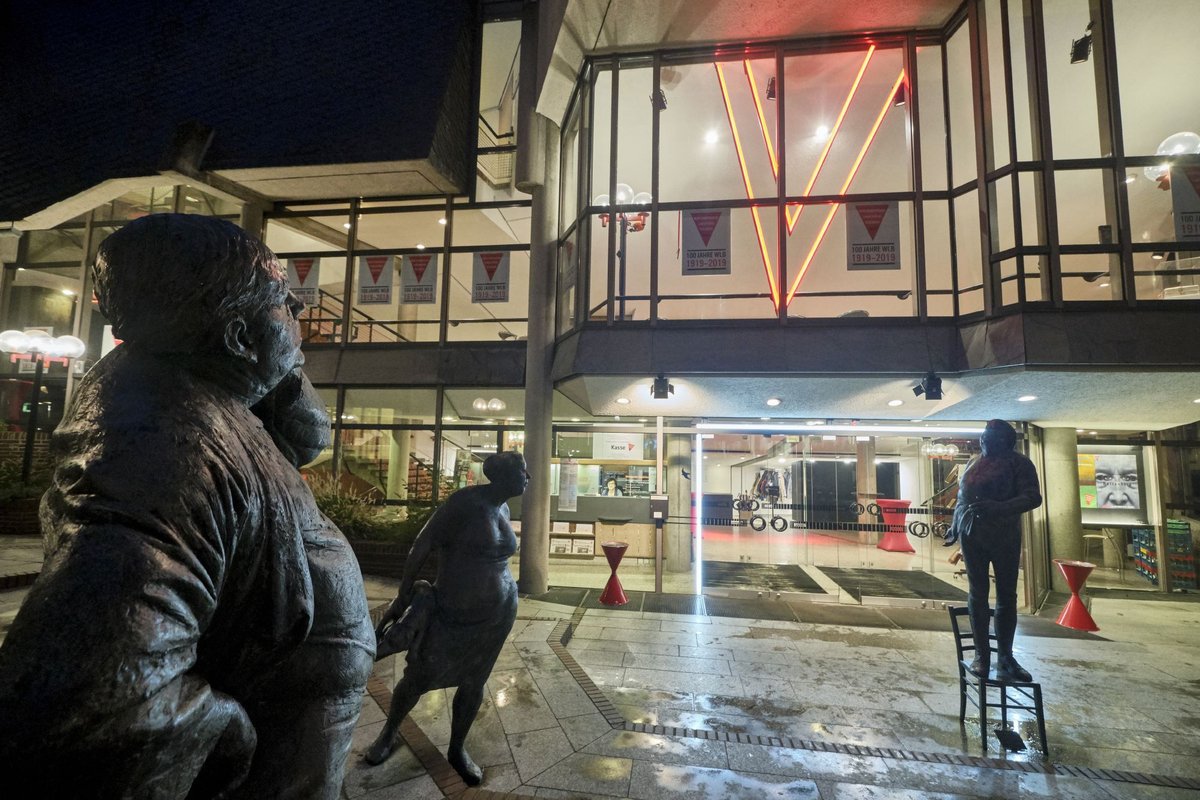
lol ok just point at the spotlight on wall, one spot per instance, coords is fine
(771, 89)
(658, 100)
(1081, 48)
(662, 388)
(930, 386)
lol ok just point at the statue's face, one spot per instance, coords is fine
(515, 477)
(276, 333)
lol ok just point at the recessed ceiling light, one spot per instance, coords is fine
(916, 420)
(814, 422)
(447, 419)
(862, 438)
(346, 225)
(773, 401)
(641, 419)
(1080, 430)
(622, 401)
(68, 292)
(1105, 285)
(442, 221)
(829, 438)
(1091, 433)
(711, 137)
(420, 246)
(894, 403)
(574, 419)
(1025, 398)
(768, 419)
(782, 460)
(1197, 400)
(822, 131)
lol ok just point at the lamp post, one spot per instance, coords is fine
(631, 222)
(42, 348)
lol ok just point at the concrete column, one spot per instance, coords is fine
(539, 388)
(677, 536)
(1061, 492)
(399, 451)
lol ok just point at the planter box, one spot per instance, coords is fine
(385, 560)
(20, 517)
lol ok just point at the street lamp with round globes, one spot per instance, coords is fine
(42, 348)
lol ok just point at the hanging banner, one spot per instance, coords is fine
(568, 485)
(418, 279)
(706, 242)
(873, 235)
(489, 282)
(1185, 197)
(375, 279)
(304, 279)
(617, 446)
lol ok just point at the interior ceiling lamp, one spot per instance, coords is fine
(483, 404)
(658, 100)
(1177, 144)
(662, 389)
(1081, 48)
(930, 386)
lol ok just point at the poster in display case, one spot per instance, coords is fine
(1111, 485)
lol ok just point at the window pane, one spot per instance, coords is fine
(990, 17)
(970, 254)
(962, 117)
(1083, 212)
(1074, 120)
(483, 306)
(389, 406)
(938, 272)
(1091, 277)
(933, 118)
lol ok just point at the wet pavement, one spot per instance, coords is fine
(644, 704)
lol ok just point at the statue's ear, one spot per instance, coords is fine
(238, 342)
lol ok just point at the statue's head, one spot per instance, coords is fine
(192, 285)
(507, 470)
(998, 438)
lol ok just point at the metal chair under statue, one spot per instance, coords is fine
(1008, 696)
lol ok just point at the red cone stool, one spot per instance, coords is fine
(1075, 614)
(894, 537)
(613, 594)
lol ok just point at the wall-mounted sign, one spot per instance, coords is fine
(1111, 489)
(706, 237)
(1185, 197)
(617, 446)
(375, 279)
(568, 485)
(489, 280)
(304, 279)
(418, 279)
(873, 236)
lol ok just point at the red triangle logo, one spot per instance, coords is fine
(419, 265)
(705, 222)
(491, 262)
(872, 215)
(375, 265)
(303, 267)
(1193, 176)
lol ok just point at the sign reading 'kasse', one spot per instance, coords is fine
(418, 279)
(375, 279)
(304, 279)
(706, 242)
(490, 279)
(873, 236)
(1185, 197)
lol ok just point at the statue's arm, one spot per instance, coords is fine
(1027, 495)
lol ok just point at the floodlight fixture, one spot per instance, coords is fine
(930, 386)
(662, 389)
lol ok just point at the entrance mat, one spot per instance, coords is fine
(563, 596)
(893, 583)
(748, 609)
(593, 600)
(674, 604)
(775, 577)
(839, 614)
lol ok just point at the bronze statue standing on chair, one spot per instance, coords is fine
(454, 629)
(995, 490)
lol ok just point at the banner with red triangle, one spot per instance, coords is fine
(375, 278)
(705, 245)
(489, 282)
(873, 236)
(304, 279)
(1185, 200)
(418, 279)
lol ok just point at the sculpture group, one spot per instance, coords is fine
(200, 629)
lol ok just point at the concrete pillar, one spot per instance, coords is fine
(1060, 491)
(677, 536)
(399, 451)
(539, 388)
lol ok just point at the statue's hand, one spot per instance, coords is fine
(294, 415)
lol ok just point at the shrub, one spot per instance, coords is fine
(13, 488)
(358, 517)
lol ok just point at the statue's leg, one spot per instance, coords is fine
(404, 699)
(466, 705)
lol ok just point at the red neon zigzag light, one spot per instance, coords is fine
(888, 101)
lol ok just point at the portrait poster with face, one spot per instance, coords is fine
(489, 280)
(304, 279)
(706, 241)
(873, 236)
(1110, 485)
(375, 279)
(418, 279)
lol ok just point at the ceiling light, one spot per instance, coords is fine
(661, 389)
(814, 422)
(828, 438)
(782, 460)
(822, 131)
(346, 225)
(68, 292)
(1025, 398)
(622, 401)
(773, 401)
(1130, 178)
(442, 221)
(711, 137)
(1105, 285)
(1157, 255)
(1091, 433)
(1080, 430)
(420, 246)
(574, 419)
(768, 419)
(862, 438)
(1197, 400)
(448, 419)
(894, 403)
(642, 419)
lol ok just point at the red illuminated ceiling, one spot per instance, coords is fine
(794, 210)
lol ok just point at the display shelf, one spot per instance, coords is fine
(1145, 553)
(1181, 555)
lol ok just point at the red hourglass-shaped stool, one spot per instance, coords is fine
(894, 537)
(613, 594)
(1075, 614)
